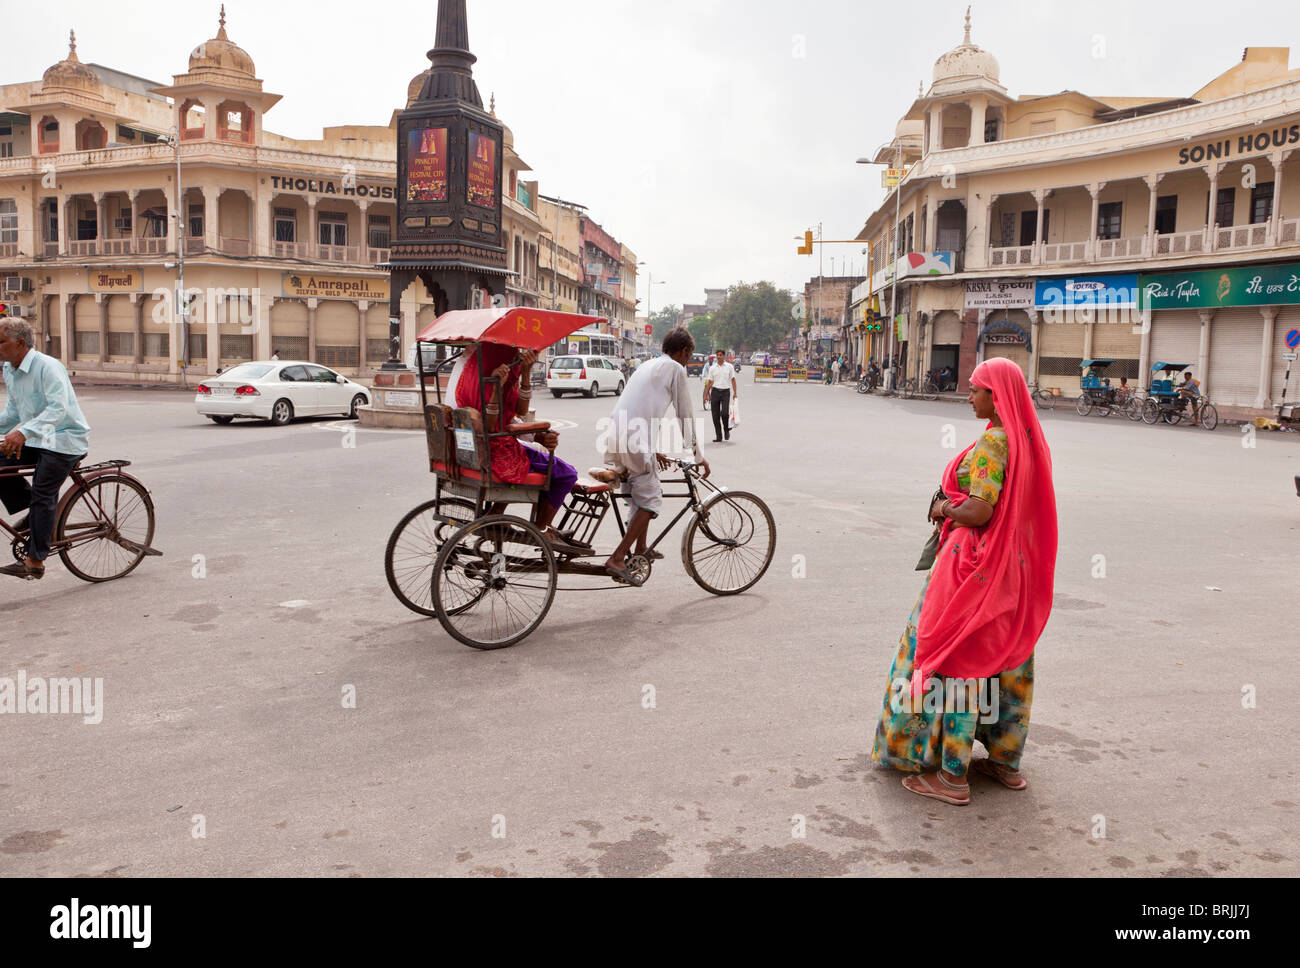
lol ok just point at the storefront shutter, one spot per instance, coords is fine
(1060, 356)
(1016, 353)
(947, 329)
(1236, 337)
(289, 329)
(1175, 338)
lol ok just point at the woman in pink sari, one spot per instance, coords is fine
(965, 665)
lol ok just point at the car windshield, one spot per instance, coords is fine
(249, 371)
(567, 363)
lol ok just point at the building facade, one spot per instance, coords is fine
(1052, 229)
(281, 239)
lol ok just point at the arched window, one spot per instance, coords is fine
(234, 122)
(49, 135)
(90, 135)
(193, 121)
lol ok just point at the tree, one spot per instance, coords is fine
(754, 316)
(702, 331)
(662, 320)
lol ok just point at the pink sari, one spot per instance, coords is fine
(990, 592)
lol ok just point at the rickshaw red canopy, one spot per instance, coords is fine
(518, 326)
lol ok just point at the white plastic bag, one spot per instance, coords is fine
(735, 413)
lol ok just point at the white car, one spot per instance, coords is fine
(588, 375)
(278, 391)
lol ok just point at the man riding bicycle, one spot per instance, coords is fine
(42, 424)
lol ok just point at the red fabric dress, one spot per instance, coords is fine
(509, 461)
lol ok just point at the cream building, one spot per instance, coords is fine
(281, 238)
(1052, 229)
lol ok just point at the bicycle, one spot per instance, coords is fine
(104, 522)
(1043, 399)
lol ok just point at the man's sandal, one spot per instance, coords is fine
(1009, 778)
(937, 787)
(623, 576)
(21, 569)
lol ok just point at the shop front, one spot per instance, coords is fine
(1078, 317)
(1003, 307)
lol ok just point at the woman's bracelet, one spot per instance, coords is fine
(947, 506)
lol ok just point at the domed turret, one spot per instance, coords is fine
(413, 89)
(965, 62)
(221, 54)
(71, 74)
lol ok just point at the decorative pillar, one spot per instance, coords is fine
(211, 202)
(210, 119)
(1211, 219)
(1040, 196)
(936, 128)
(363, 237)
(61, 214)
(1144, 361)
(101, 232)
(137, 302)
(1153, 184)
(1087, 332)
(173, 224)
(69, 324)
(262, 205)
(1035, 334)
(102, 301)
(1095, 190)
(978, 115)
(363, 306)
(1269, 313)
(1203, 355)
(262, 348)
(214, 314)
(134, 195)
(311, 330)
(1275, 229)
(312, 233)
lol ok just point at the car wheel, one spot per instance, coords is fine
(223, 420)
(595, 388)
(619, 391)
(358, 401)
(281, 413)
(557, 394)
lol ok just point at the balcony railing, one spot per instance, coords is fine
(156, 246)
(83, 247)
(1288, 231)
(116, 246)
(375, 256)
(194, 245)
(1015, 255)
(8, 250)
(289, 250)
(235, 246)
(1242, 236)
(338, 253)
(1059, 253)
(1181, 243)
(1111, 249)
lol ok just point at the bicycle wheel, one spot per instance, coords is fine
(95, 522)
(1133, 409)
(929, 391)
(862, 386)
(1042, 400)
(729, 543)
(494, 582)
(413, 548)
(1209, 416)
(1150, 411)
(1083, 405)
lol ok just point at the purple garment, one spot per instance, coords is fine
(562, 478)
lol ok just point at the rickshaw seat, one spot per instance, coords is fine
(591, 487)
(437, 431)
(469, 474)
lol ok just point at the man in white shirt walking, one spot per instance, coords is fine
(719, 385)
(632, 450)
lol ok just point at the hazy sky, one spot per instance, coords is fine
(705, 134)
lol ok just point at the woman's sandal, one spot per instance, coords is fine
(924, 785)
(1009, 778)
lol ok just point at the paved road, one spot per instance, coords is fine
(223, 692)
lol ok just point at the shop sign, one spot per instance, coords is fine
(306, 285)
(1000, 294)
(322, 186)
(1241, 145)
(1212, 289)
(115, 280)
(1116, 292)
(916, 264)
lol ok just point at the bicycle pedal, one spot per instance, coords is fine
(139, 549)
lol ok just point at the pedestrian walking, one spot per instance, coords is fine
(720, 384)
(835, 371)
(984, 603)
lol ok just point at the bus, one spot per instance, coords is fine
(588, 342)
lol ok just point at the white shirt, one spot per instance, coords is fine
(720, 376)
(650, 391)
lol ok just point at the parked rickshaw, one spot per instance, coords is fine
(490, 579)
(1165, 401)
(1097, 393)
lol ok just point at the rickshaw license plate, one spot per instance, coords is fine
(465, 440)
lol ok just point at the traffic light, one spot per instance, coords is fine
(807, 247)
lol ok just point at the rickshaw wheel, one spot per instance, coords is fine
(494, 582)
(1133, 410)
(1209, 416)
(1150, 411)
(413, 548)
(1083, 405)
(730, 543)
(1172, 417)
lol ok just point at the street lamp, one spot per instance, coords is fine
(649, 291)
(893, 292)
(182, 314)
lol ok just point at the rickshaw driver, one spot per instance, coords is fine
(653, 388)
(1191, 389)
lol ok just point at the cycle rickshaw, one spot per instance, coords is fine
(490, 579)
(1165, 402)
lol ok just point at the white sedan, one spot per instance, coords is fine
(278, 392)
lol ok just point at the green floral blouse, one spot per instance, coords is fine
(983, 471)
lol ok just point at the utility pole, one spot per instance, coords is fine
(182, 305)
(893, 296)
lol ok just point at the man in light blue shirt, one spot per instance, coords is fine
(41, 425)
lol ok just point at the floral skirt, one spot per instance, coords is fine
(938, 729)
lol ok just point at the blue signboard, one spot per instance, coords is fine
(1293, 338)
(1117, 292)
